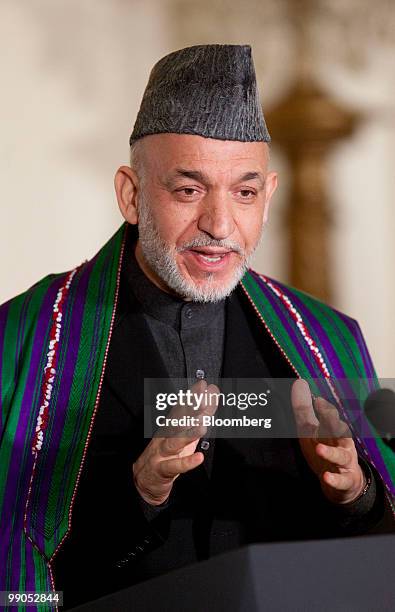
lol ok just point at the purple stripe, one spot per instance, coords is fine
(8, 575)
(318, 333)
(4, 551)
(21, 460)
(100, 299)
(30, 582)
(302, 347)
(20, 336)
(361, 347)
(370, 443)
(72, 445)
(356, 332)
(87, 379)
(323, 339)
(69, 356)
(279, 309)
(58, 411)
(324, 343)
(3, 318)
(379, 463)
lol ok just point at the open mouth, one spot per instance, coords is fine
(210, 258)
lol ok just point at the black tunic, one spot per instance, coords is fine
(246, 490)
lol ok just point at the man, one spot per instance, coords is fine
(88, 505)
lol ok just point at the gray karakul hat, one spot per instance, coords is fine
(207, 90)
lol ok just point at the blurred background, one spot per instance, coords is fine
(72, 77)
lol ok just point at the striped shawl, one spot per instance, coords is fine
(54, 340)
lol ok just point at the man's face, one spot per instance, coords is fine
(201, 207)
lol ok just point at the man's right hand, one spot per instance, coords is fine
(165, 458)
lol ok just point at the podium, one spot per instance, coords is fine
(337, 575)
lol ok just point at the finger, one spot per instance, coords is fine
(347, 442)
(189, 430)
(336, 455)
(341, 482)
(175, 444)
(173, 467)
(302, 404)
(331, 425)
(212, 399)
(199, 386)
(207, 402)
(189, 406)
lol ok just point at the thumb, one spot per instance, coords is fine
(302, 405)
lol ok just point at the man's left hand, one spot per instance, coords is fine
(327, 445)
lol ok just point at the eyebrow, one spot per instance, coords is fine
(196, 175)
(250, 176)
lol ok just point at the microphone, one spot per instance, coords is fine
(380, 411)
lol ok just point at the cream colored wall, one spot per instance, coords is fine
(72, 77)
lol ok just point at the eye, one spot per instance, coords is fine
(188, 191)
(247, 194)
(187, 194)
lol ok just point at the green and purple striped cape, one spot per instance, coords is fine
(54, 340)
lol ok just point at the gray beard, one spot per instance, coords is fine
(161, 259)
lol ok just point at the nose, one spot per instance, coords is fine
(216, 218)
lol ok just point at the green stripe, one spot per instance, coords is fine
(41, 471)
(338, 333)
(8, 354)
(35, 297)
(22, 576)
(42, 579)
(273, 322)
(104, 271)
(343, 342)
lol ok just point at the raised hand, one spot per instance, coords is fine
(327, 445)
(166, 457)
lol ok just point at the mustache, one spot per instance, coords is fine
(205, 241)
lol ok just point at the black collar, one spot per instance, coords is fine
(157, 303)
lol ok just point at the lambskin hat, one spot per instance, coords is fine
(207, 90)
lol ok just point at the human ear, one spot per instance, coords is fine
(270, 188)
(126, 187)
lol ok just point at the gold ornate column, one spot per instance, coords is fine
(306, 124)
